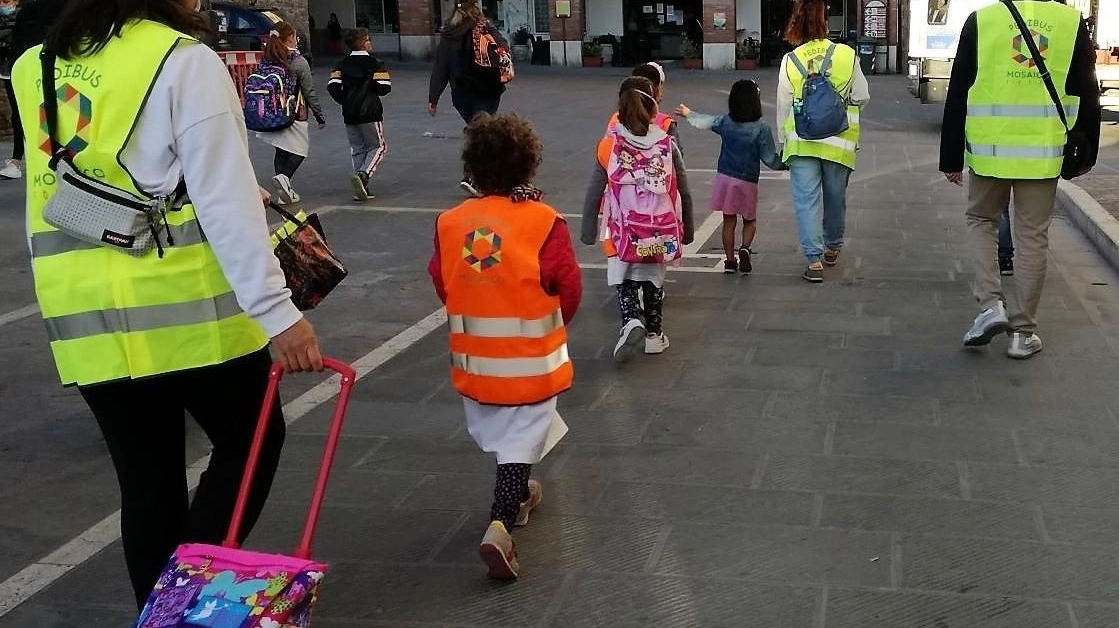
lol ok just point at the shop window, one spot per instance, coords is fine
(938, 12)
(541, 17)
(379, 16)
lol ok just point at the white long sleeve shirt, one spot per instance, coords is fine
(860, 94)
(192, 127)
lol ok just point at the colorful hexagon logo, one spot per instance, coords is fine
(81, 104)
(482, 249)
(1023, 57)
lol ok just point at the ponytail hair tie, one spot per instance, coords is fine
(651, 99)
(274, 33)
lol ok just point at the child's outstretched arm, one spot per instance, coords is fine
(768, 151)
(701, 121)
(592, 204)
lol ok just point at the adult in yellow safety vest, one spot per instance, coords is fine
(145, 108)
(819, 168)
(1000, 119)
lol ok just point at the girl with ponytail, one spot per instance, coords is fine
(639, 186)
(293, 143)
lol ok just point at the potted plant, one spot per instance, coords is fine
(592, 55)
(692, 57)
(522, 44)
(746, 54)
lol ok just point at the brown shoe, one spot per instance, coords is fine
(535, 496)
(831, 257)
(499, 553)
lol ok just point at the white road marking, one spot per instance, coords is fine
(20, 314)
(34, 578)
(713, 222)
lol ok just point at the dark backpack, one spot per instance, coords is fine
(820, 111)
(270, 97)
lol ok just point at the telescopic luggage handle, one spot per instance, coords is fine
(348, 377)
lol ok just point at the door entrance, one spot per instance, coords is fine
(656, 30)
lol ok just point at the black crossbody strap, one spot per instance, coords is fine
(1046, 78)
(50, 100)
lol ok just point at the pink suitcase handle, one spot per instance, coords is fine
(349, 377)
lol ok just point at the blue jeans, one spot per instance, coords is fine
(820, 199)
(1006, 244)
(468, 104)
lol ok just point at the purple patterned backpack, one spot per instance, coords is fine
(270, 97)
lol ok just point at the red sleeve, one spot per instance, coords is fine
(559, 271)
(435, 269)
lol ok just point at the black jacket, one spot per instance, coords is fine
(30, 27)
(357, 83)
(1081, 82)
(451, 59)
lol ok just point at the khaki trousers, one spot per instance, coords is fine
(1029, 226)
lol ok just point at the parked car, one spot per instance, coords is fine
(246, 28)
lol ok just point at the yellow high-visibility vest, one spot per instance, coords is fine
(1013, 129)
(840, 148)
(109, 315)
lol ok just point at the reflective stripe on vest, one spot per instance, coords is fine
(508, 343)
(506, 327)
(111, 316)
(1013, 129)
(840, 148)
(511, 367)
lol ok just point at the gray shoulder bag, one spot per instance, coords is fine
(87, 209)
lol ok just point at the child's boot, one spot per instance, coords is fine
(535, 496)
(499, 553)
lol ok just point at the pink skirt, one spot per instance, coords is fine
(735, 197)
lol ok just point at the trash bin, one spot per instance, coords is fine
(866, 55)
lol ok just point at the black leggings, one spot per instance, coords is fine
(630, 306)
(510, 490)
(286, 163)
(145, 430)
(17, 128)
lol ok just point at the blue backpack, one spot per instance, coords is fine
(270, 97)
(820, 112)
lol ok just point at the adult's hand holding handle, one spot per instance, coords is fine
(297, 348)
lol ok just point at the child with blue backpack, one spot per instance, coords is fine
(277, 96)
(747, 143)
(640, 185)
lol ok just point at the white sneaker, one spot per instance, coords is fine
(283, 186)
(11, 171)
(656, 343)
(1023, 345)
(990, 323)
(628, 339)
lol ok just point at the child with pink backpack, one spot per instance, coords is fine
(640, 186)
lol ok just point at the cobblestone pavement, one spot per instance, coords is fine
(803, 456)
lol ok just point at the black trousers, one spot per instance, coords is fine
(17, 128)
(286, 163)
(144, 427)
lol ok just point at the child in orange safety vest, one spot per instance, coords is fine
(505, 268)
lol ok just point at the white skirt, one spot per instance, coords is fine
(515, 434)
(295, 139)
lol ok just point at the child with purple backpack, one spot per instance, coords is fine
(640, 185)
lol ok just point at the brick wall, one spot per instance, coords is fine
(576, 24)
(417, 17)
(710, 35)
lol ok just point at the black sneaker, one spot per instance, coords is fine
(1006, 266)
(730, 267)
(744, 263)
(814, 273)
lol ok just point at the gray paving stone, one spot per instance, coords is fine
(929, 516)
(1071, 524)
(650, 403)
(639, 601)
(702, 503)
(684, 465)
(815, 322)
(102, 582)
(1018, 568)
(399, 389)
(367, 418)
(1044, 484)
(1014, 412)
(786, 378)
(348, 487)
(302, 451)
(551, 543)
(1055, 447)
(852, 608)
(646, 370)
(1096, 616)
(601, 426)
(862, 475)
(791, 342)
(776, 555)
(474, 494)
(941, 386)
(853, 408)
(429, 456)
(837, 359)
(755, 435)
(433, 593)
(41, 615)
(916, 442)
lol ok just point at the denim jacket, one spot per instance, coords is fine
(745, 145)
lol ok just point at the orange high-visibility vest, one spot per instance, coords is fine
(508, 340)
